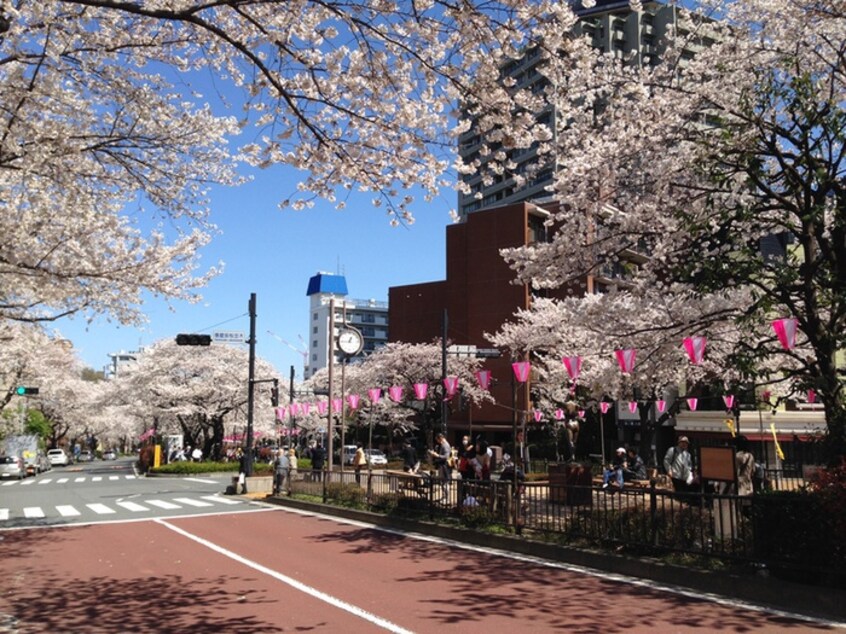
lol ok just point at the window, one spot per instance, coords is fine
(368, 318)
(314, 331)
(314, 357)
(314, 318)
(314, 343)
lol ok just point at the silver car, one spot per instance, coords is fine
(12, 467)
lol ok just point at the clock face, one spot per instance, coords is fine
(349, 341)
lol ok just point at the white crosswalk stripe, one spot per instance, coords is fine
(219, 500)
(132, 506)
(33, 512)
(9, 483)
(130, 477)
(4, 515)
(96, 478)
(114, 477)
(46, 481)
(79, 480)
(101, 509)
(25, 482)
(163, 504)
(66, 510)
(192, 502)
(62, 480)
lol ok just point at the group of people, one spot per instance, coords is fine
(627, 465)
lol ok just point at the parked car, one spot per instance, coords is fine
(376, 457)
(58, 457)
(36, 462)
(109, 454)
(85, 456)
(348, 453)
(12, 467)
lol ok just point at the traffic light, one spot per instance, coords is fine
(22, 390)
(274, 394)
(193, 340)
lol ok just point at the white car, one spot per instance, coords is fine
(376, 457)
(58, 457)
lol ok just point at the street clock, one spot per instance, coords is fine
(350, 341)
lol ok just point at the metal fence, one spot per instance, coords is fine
(649, 520)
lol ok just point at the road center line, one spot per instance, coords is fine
(314, 592)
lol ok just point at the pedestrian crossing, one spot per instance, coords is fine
(120, 507)
(66, 479)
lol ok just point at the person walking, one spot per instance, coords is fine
(359, 461)
(282, 467)
(745, 464)
(318, 458)
(440, 456)
(679, 465)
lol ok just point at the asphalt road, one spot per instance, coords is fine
(279, 570)
(103, 491)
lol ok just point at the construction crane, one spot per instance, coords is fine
(303, 353)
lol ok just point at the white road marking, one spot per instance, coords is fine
(201, 480)
(33, 512)
(191, 502)
(314, 592)
(48, 480)
(61, 480)
(25, 482)
(114, 477)
(9, 483)
(130, 477)
(79, 480)
(100, 509)
(219, 500)
(4, 515)
(66, 510)
(162, 504)
(96, 478)
(132, 506)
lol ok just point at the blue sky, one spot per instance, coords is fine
(273, 253)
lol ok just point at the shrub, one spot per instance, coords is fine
(349, 495)
(193, 468)
(475, 516)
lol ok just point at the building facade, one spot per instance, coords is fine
(369, 316)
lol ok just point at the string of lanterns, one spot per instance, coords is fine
(785, 330)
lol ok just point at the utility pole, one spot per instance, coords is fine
(331, 345)
(444, 407)
(248, 456)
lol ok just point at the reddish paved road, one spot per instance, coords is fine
(148, 577)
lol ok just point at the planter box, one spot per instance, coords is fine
(260, 484)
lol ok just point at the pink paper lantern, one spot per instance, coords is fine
(785, 329)
(559, 414)
(695, 347)
(374, 394)
(604, 406)
(322, 406)
(728, 399)
(573, 365)
(632, 406)
(691, 404)
(305, 408)
(295, 409)
(451, 386)
(626, 359)
(812, 396)
(337, 404)
(420, 391)
(395, 393)
(484, 378)
(661, 405)
(521, 370)
(353, 400)
(765, 396)
(581, 413)
(538, 415)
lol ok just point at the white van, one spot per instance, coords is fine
(348, 453)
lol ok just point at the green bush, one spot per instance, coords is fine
(385, 503)
(348, 495)
(475, 516)
(193, 468)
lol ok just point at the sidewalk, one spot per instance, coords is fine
(813, 601)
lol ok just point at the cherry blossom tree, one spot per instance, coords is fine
(402, 365)
(674, 178)
(200, 392)
(119, 117)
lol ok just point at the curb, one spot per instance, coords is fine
(818, 602)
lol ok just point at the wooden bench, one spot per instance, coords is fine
(407, 484)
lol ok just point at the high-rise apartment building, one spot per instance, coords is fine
(368, 316)
(634, 36)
